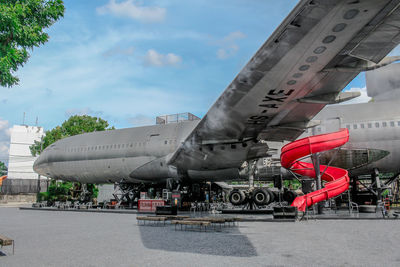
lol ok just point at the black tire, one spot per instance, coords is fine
(237, 197)
(271, 196)
(276, 195)
(260, 197)
(289, 196)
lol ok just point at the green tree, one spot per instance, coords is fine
(3, 168)
(73, 126)
(21, 29)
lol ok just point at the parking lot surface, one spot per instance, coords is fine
(57, 238)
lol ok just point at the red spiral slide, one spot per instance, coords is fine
(337, 179)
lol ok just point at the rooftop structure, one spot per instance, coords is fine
(20, 157)
(174, 118)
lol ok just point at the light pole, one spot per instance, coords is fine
(38, 182)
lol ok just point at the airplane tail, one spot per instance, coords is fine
(384, 83)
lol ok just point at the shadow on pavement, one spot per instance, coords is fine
(226, 242)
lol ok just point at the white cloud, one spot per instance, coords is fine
(233, 36)
(130, 9)
(4, 140)
(228, 46)
(153, 58)
(363, 98)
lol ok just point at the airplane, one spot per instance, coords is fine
(304, 65)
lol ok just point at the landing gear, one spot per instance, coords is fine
(127, 192)
(252, 197)
(85, 195)
(374, 189)
(83, 192)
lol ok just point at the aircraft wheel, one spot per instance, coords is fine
(271, 196)
(289, 196)
(276, 195)
(261, 197)
(237, 197)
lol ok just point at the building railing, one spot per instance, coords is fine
(174, 118)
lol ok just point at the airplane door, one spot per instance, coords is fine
(332, 124)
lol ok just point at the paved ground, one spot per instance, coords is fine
(57, 238)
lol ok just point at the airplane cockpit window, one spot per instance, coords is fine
(384, 124)
(377, 124)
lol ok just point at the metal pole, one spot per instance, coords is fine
(38, 189)
(315, 161)
(38, 184)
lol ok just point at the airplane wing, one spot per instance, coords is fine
(303, 66)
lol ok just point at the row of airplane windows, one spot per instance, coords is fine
(356, 126)
(372, 125)
(113, 146)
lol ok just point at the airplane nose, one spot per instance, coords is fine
(39, 163)
(36, 164)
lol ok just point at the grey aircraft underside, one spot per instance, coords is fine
(315, 52)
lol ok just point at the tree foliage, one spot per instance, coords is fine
(73, 126)
(21, 29)
(3, 168)
(67, 191)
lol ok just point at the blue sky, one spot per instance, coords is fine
(128, 61)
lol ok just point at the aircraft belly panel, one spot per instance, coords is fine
(96, 171)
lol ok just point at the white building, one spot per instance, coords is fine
(20, 164)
